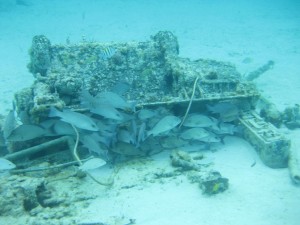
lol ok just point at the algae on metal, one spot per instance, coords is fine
(152, 69)
(155, 74)
(272, 146)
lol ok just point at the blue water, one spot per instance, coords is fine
(245, 33)
(221, 30)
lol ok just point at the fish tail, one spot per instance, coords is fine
(148, 134)
(53, 112)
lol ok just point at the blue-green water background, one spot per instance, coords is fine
(247, 33)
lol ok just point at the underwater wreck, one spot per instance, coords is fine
(96, 103)
(147, 75)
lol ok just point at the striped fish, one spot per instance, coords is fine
(107, 53)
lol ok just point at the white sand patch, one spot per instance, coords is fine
(256, 194)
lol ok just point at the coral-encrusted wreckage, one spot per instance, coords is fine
(119, 100)
(150, 74)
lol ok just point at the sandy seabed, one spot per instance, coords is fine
(246, 33)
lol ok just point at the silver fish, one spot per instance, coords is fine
(104, 127)
(222, 107)
(224, 128)
(26, 132)
(49, 123)
(228, 112)
(24, 117)
(63, 128)
(77, 119)
(106, 140)
(229, 117)
(196, 133)
(198, 120)
(141, 135)
(56, 127)
(6, 164)
(145, 114)
(172, 142)
(211, 138)
(126, 117)
(92, 164)
(87, 100)
(11, 123)
(48, 126)
(112, 99)
(133, 128)
(126, 149)
(107, 111)
(126, 136)
(165, 124)
(92, 145)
